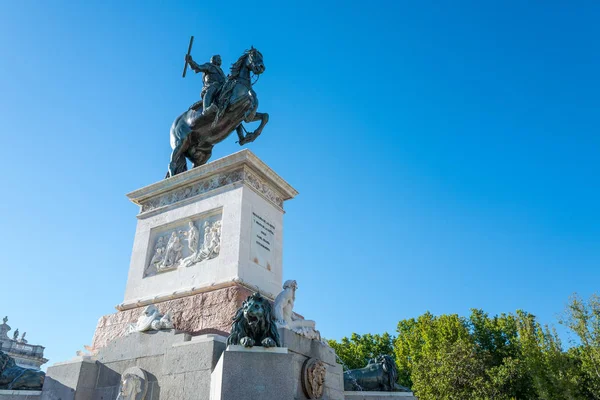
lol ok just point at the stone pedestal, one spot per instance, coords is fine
(265, 374)
(233, 207)
(205, 240)
(253, 375)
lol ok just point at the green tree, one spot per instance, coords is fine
(408, 348)
(356, 351)
(504, 357)
(550, 368)
(440, 354)
(498, 347)
(583, 318)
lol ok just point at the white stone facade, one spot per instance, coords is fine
(235, 207)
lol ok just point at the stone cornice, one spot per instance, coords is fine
(242, 166)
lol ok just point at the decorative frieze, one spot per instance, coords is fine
(263, 188)
(214, 182)
(194, 189)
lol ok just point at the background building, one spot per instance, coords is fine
(26, 355)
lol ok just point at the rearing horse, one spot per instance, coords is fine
(193, 135)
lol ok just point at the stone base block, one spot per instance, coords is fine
(302, 349)
(71, 380)
(20, 394)
(208, 312)
(379, 396)
(177, 365)
(275, 374)
(252, 375)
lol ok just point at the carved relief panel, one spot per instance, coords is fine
(187, 243)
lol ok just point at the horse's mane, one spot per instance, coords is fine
(236, 67)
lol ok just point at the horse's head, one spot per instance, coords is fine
(255, 61)
(251, 60)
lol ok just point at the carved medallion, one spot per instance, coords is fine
(134, 384)
(313, 378)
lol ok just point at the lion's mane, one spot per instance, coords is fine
(265, 327)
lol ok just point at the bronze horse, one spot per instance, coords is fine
(193, 134)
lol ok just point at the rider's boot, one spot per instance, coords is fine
(212, 109)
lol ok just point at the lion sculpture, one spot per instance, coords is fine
(254, 324)
(380, 374)
(13, 377)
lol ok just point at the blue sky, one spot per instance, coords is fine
(446, 155)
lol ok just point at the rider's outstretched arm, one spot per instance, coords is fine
(199, 67)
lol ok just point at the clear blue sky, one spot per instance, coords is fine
(446, 155)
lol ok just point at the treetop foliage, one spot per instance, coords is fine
(502, 357)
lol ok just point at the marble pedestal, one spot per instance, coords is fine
(205, 240)
(233, 207)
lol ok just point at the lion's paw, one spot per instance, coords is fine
(247, 341)
(268, 342)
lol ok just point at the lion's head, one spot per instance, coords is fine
(257, 312)
(254, 320)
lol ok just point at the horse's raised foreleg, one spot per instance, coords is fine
(251, 136)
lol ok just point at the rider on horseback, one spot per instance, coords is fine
(213, 80)
(193, 134)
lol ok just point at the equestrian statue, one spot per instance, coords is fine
(226, 103)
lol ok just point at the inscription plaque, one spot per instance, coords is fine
(263, 240)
